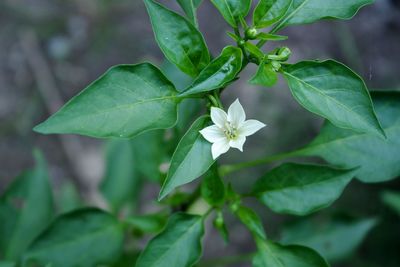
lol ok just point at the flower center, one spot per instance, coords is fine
(230, 131)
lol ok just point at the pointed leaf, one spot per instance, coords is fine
(301, 189)
(327, 238)
(275, 255)
(252, 221)
(191, 159)
(180, 41)
(86, 237)
(189, 9)
(308, 11)
(265, 76)
(26, 208)
(377, 158)
(178, 245)
(268, 12)
(271, 37)
(126, 101)
(231, 10)
(335, 92)
(218, 73)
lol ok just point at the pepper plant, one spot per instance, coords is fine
(360, 139)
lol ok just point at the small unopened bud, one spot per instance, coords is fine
(276, 65)
(251, 33)
(282, 54)
(241, 42)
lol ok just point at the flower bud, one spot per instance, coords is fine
(251, 33)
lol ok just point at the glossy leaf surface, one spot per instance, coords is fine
(218, 73)
(86, 237)
(265, 75)
(191, 159)
(116, 104)
(308, 11)
(301, 189)
(377, 158)
(232, 9)
(178, 245)
(269, 12)
(180, 41)
(335, 92)
(189, 8)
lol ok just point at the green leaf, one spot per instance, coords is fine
(377, 158)
(272, 254)
(271, 37)
(218, 73)
(301, 189)
(333, 91)
(191, 159)
(7, 264)
(151, 223)
(86, 237)
(254, 51)
(308, 11)
(121, 180)
(26, 208)
(180, 41)
(212, 187)
(189, 9)
(231, 10)
(251, 220)
(327, 238)
(126, 101)
(265, 75)
(392, 199)
(268, 12)
(178, 245)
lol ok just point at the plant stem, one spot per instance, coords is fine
(227, 169)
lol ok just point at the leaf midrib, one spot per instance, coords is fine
(191, 89)
(186, 233)
(359, 118)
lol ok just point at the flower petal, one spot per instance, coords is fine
(238, 142)
(213, 133)
(218, 116)
(220, 147)
(249, 127)
(236, 114)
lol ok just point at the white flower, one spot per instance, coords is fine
(229, 130)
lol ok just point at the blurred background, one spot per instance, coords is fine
(51, 49)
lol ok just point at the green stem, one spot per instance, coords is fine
(227, 169)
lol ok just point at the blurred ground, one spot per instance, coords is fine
(50, 50)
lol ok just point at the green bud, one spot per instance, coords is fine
(281, 54)
(276, 65)
(241, 42)
(251, 33)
